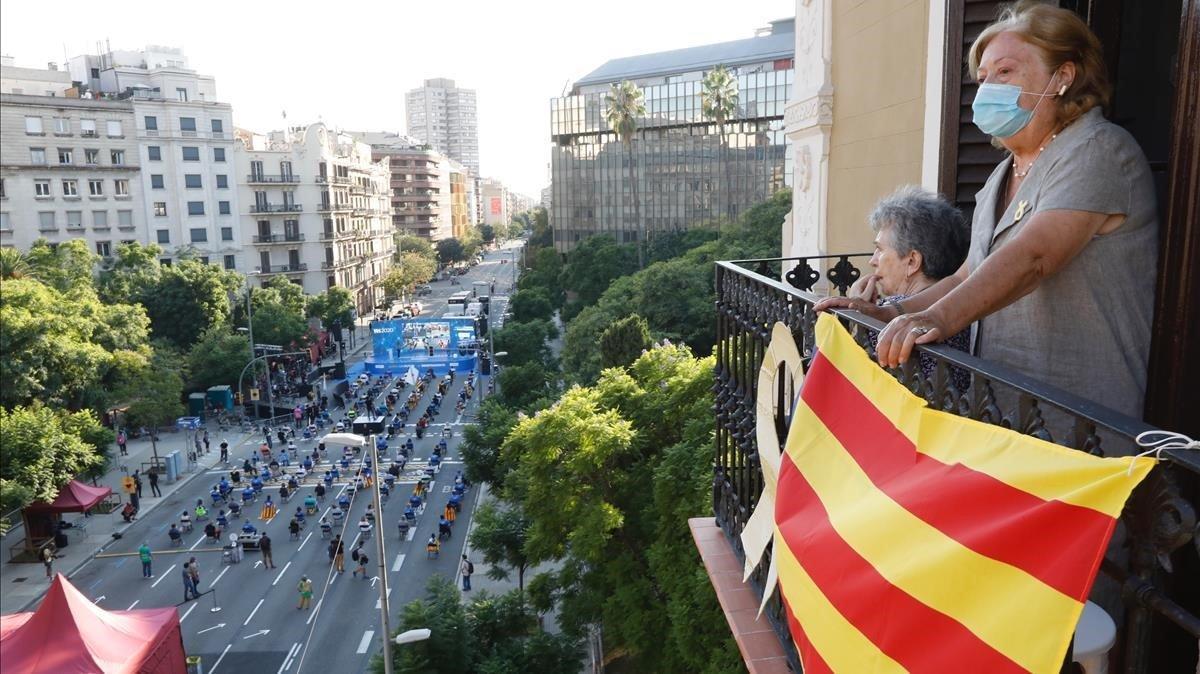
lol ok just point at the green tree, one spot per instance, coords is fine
(411, 270)
(531, 304)
(67, 267)
(279, 290)
(277, 323)
(624, 341)
(524, 386)
(481, 442)
(593, 265)
(471, 241)
(190, 298)
(450, 251)
(217, 359)
(448, 649)
(407, 243)
(718, 102)
(525, 342)
(499, 535)
(487, 233)
(335, 304)
(43, 450)
(153, 398)
(131, 274)
(625, 107)
(545, 271)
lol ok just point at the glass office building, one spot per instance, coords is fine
(688, 171)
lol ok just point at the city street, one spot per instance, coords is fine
(247, 619)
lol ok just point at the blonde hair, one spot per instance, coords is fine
(1062, 37)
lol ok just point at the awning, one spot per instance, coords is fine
(75, 497)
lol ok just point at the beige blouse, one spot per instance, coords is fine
(1087, 328)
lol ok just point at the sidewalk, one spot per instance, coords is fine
(23, 584)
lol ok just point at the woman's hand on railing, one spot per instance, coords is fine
(858, 304)
(898, 337)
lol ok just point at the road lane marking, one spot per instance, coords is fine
(132, 605)
(218, 662)
(304, 541)
(287, 662)
(379, 602)
(214, 583)
(260, 603)
(412, 533)
(315, 610)
(366, 641)
(399, 559)
(187, 612)
(281, 572)
(160, 578)
(96, 583)
(198, 541)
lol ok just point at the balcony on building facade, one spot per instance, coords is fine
(275, 208)
(419, 184)
(278, 238)
(284, 269)
(329, 208)
(1159, 519)
(263, 178)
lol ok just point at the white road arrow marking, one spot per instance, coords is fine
(258, 563)
(209, 629)
(374, 579)
(256, 634)
(99, 599)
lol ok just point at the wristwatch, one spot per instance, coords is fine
(899, 307)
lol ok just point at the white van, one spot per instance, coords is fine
(474, 309)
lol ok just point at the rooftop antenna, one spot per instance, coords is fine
(566, 87)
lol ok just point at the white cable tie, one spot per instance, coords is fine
(1158, 440)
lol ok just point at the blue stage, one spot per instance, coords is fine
(438, 343)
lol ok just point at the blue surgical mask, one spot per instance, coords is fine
(996, 112)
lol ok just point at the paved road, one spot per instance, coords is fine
(258, 627)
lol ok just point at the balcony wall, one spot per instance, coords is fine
(1149, 585)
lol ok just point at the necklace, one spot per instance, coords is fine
(1021, 174)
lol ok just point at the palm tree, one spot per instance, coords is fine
(625, 107)
(718, 102)
(13, 264)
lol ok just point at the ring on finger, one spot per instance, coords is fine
(918, 331)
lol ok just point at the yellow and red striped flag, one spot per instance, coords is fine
(912, 540)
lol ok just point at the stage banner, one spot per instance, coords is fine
(906, 539)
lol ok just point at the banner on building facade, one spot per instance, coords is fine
(907, 539)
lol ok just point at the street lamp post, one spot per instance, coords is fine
(495, 379)
(355, 440)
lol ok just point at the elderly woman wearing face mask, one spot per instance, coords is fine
(1059, 280)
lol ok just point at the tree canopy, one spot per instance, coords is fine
(487, 233)
(412, 269)
(525, 342)
(450, 251)
(217, 359)
(43, 450)
(531, 304)
(624, 341)
(335, 304)
(593, 265)
(189, 298)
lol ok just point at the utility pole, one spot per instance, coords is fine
(250, 334)
(384, 618)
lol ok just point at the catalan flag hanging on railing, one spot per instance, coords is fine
(912, 540)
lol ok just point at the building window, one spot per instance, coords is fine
(62, 125)
(218, 154)
(222, 181)
(114, 128)
(191, 154)
(74, 219)
(70, 188)
(160, 208)
(33, 125)
(100, 219)
(223, 207)
(230, 261)
(37, 155)
(151, 123)
(164, 236)
(46, 220)
(103, 248)
(187, 124)
(154, 153)
(96, 187)
(125, 218)
(192, 181)
(195, 208)
(227, 234)
(199, 235)
(65, 155)
(164, 261)
(118, 157)
(5, 225)
(41, 188)
(181, 93)
(218, 126)
(203, 259)
(156, 181)
(91, 157)
(121, 187)
(87, 128)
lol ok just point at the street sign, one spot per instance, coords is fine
(274, 348)
(254, 394)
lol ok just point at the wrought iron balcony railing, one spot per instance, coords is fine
(278, 238)
(1153, 574)
(267, 178)
(275, 208)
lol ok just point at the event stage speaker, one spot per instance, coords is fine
(366, 425)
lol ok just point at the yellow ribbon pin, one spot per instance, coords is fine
(1022, 208)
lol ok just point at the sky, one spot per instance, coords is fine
(350, 65)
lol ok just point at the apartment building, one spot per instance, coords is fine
(70, 169)
(443, 115)
(496, 204)
(460, 177)
(420, 184)
(185, 143)
(316, 210)
(15, 79)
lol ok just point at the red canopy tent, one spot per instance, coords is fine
(68, 633)
(75, 497)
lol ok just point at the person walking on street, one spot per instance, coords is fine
(466, 568)
(137, 483)
(49, 553)
(189, 591)
(194, 571)
(224, 451)
(264, 544)
(306, 591)
(362, 563)
(206, 441)
(144, 555)
(153, 476)
(122, 439)
(339, 554)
